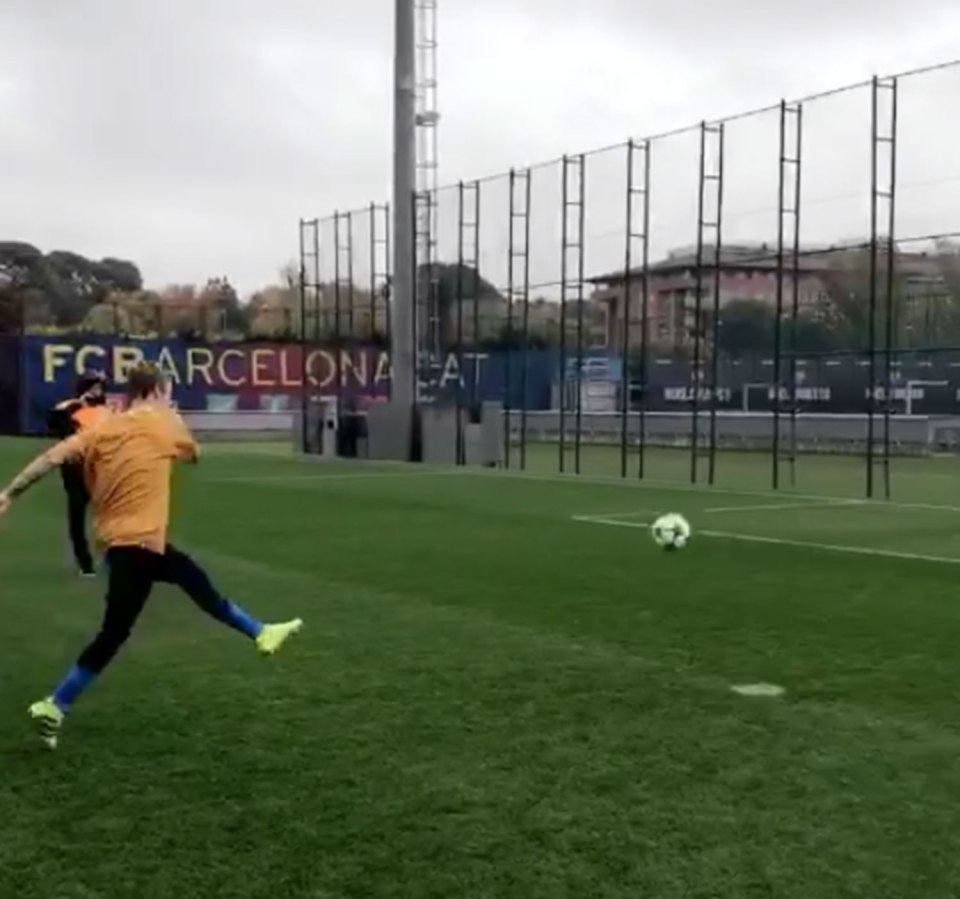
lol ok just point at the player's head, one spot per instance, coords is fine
(146, 382)
(92, 386)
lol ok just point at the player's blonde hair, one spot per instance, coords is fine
(144, 380)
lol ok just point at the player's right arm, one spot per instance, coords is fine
(70, 450)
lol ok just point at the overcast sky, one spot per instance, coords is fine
(190, 135)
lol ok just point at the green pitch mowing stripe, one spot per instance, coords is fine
(785, 507)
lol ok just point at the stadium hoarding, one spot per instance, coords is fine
(266, 377)
(245, 377)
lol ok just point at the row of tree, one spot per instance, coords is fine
(63, 291)
(60, 286)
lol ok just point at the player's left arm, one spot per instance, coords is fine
(181, 444)
(184, 445)
(68, 450)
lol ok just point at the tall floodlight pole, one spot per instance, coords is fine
(404, 184)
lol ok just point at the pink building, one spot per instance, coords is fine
(747, 272)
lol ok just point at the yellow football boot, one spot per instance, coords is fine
(47, 719)
(273, 636)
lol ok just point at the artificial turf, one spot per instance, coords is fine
(504, 690)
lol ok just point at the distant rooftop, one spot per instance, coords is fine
(732, 257)
(763, 257)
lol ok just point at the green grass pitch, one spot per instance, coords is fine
(504, 690)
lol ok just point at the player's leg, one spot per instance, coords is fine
(78, 499)
(132, 574)
(182, 571)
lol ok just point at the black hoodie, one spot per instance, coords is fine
(66, 418)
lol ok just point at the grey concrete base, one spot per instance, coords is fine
(473, 444)
(439, 435)
(491, 435)
(314, 430)
(390, 432)
(752, 430)
(402, 433)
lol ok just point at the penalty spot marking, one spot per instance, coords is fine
(758, 690)
(780, 541)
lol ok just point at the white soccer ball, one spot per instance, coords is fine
(671, 531)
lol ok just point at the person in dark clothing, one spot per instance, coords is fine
(84, 410)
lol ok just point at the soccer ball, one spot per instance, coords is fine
(671, 531)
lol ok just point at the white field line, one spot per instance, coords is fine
(679, 487)
(351, 476)
(633, 514)
(403, 468)
(760, 507)
(253, 448)
(783, 507)
(779, 541)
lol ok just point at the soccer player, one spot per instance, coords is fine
(85, 409)
(127, 462)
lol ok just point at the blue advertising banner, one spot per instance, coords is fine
(37, 372)
(268, 377)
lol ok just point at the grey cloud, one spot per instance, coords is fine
(734, 22)
(191, 134)
(176, 137)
